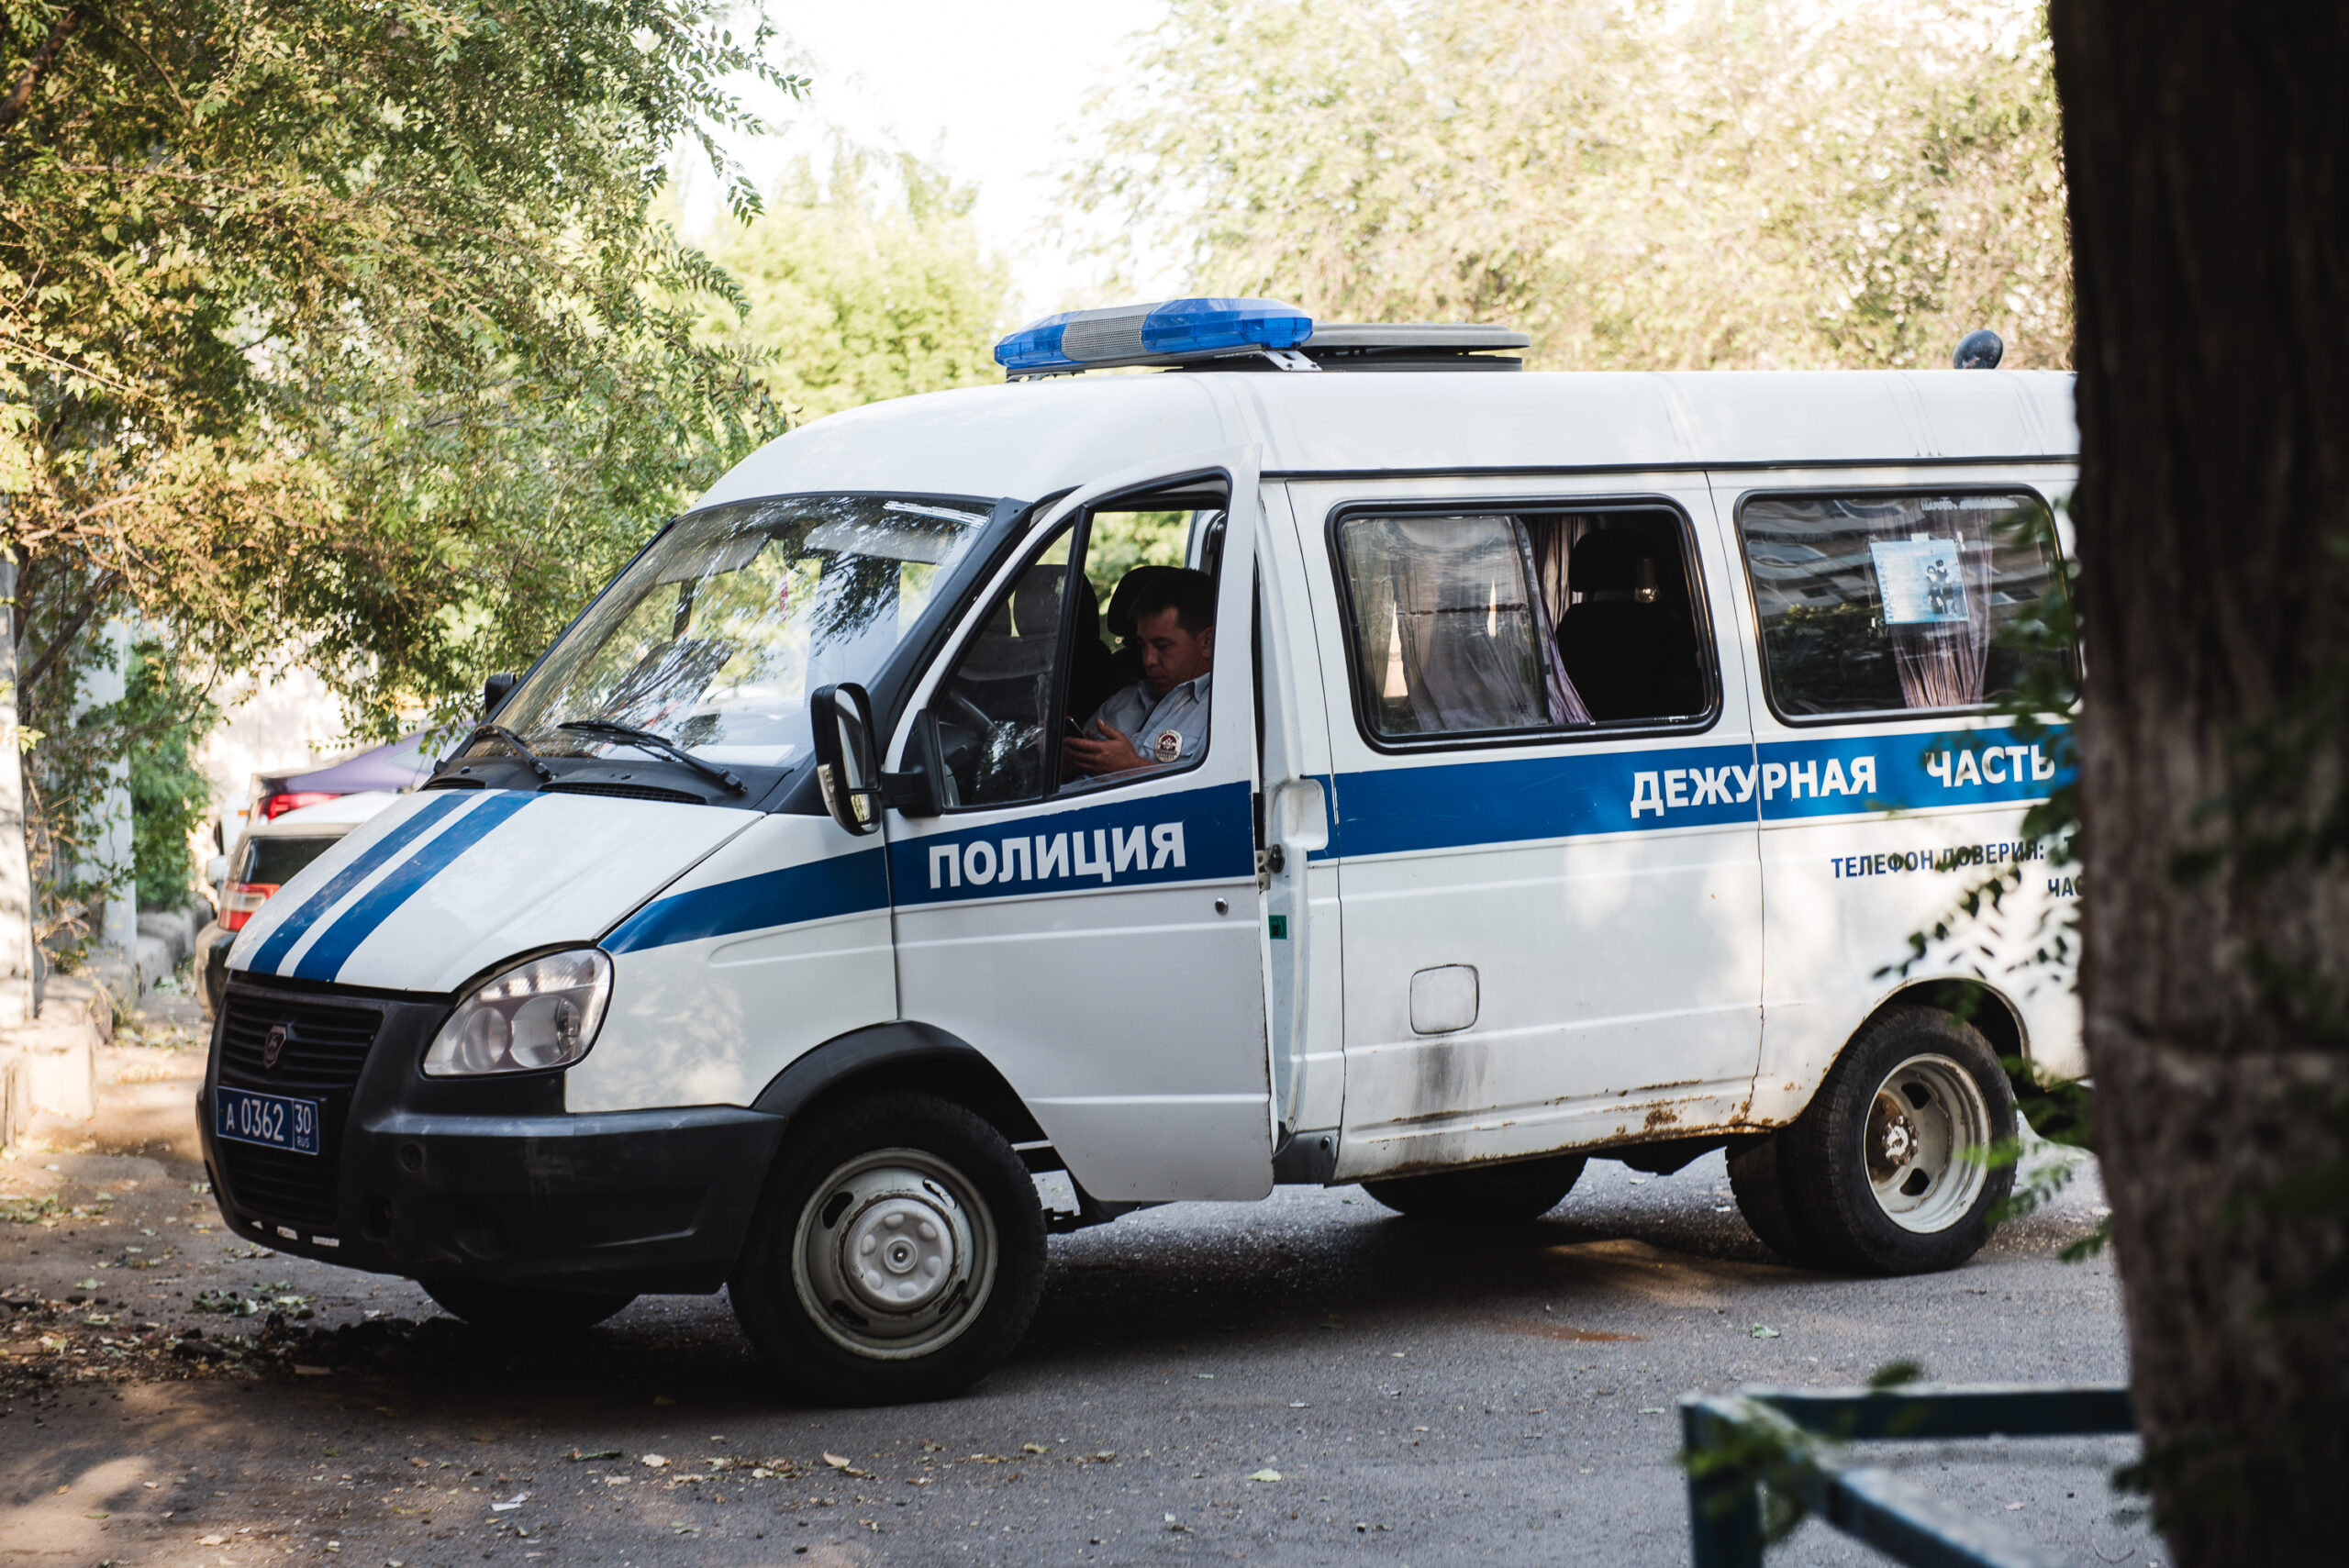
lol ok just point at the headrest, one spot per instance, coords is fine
(1613, 564)
(1120, 619)
(1036, 603)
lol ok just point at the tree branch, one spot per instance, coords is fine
(20, 97)
(30, 679)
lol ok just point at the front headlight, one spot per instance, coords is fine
(540, 1014)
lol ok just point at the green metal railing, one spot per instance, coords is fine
(1788, 1441)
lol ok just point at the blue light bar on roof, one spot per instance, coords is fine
(1169, 332)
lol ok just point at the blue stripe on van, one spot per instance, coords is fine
(1449, 805)
(325, 957)
(290, 929)
(1196, 835)
(1990, 766)
(839, 885)
(1464, 804)
(1459, 805)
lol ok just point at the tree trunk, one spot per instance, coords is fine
(2206, 144)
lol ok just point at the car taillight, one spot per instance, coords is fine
(278, 804)
(239, 901)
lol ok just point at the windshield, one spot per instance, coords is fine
(716, 635)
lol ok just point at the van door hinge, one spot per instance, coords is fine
(1270, 863)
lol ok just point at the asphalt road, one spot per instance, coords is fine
(1307, 1380)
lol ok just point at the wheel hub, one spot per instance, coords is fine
(1896, 1139)
(900, 1253)
(894, 1255)
(1927, 1131)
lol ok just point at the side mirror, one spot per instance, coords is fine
(215, 870)
(841, 717)
(493, 692)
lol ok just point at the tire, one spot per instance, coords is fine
(1885, 1172)
(525, 1309)
(897, 1254)
(1755, 1177)
(1483, 1194)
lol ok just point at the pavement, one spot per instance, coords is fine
(1307, 1380)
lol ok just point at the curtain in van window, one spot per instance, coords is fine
(1549, 544)
(1449, 634)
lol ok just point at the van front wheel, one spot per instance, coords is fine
(897, 1254)
(1888, 1170)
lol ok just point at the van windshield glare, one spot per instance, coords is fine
(715, 636)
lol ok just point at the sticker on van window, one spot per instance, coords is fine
(1918, 580)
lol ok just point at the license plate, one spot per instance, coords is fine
(272, 1121)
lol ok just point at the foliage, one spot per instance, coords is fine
(338, 325)
(863, 284)
(1639, 185)
(170, 796)
(1120, 542)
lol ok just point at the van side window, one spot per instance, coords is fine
(1020, 717)
(1887, 604)
(1486, 623)
(995, 711)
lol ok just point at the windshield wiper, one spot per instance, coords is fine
(604, 728)
(499, 732)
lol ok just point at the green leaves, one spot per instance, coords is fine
(1641, 185)
(862, 283)
(344, 327)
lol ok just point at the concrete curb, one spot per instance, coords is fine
(52, 1064)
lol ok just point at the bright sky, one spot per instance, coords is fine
(990, 92)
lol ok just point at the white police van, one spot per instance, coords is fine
(1575, 757)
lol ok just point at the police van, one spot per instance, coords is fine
(1485, 772)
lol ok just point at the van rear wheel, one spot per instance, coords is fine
(897, 1254)
(1888, 1170)
(1483, 1194)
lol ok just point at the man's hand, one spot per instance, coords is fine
(1098, 759)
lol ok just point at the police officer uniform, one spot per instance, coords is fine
(1165, 730)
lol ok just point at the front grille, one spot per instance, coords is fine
(325, 1045)
(625, 791)
(292, 1189)
(325, 1048)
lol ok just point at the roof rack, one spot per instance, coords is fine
(1245, 335)
(1408, 346)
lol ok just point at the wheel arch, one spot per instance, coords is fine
(1988, 1009)
(900, 1055)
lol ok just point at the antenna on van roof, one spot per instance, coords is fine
(1980, 350)
(1244, 335)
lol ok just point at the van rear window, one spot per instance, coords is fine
(275, 859)
(1885, 605)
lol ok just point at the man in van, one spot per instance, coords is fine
(1161, 720)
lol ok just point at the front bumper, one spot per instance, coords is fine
(483, 1179)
